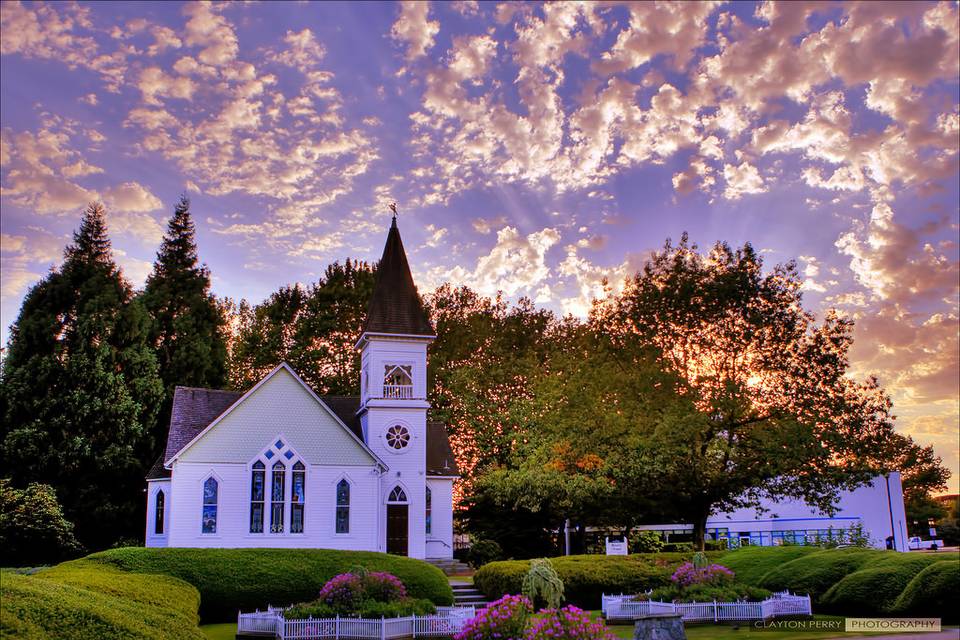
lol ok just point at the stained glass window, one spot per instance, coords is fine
(343, 507)
(276, 497)
(279, 444)
(257, 494)
(288, 454)
(429, 510)
(297, 496)
(209, 517)
(398, 437)
(158, 514)
(397, 495)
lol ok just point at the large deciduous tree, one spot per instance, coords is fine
(313, 328)
(187, 330)
(770, 410)
(80, 388)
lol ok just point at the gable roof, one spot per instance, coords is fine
(395, 306)
(181, 431)
(194, 410)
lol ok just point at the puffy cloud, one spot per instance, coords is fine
(154, 84)
(414, 29)
(303, 51)
(163, 38)
(742, 179)
(208, 29)
(516, 264)
(131, 197)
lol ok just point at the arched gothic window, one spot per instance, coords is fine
(278, 490)
(397, 495)
(258, 483)
(210, 494)
(297, 497)
(429, 510)
(158, 513)
(343, 507)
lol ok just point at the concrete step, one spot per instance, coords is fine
(450, 566)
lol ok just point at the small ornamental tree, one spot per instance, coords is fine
(542, 584)
(33, 530)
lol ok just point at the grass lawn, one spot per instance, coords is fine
(729, 632)
(224, 631)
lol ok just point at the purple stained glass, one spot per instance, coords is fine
(268, 455)
(279, 444)
(288, 455)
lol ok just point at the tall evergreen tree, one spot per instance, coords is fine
(79, 387)
(188, 327)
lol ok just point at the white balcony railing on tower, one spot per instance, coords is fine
(398, 391)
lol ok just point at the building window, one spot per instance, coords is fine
(398, 437)
(257, 494)
(397, 495)
(429, 510)
(276, 497)
(343, 507)
(297, 495)
(398, 381)
(158, 514)
(209, 520)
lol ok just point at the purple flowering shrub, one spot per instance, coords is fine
(509, 618)
(568, 623)
(688, 575)
(505, 619)
(342, 592)
(383, 587)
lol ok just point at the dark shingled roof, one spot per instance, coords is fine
(440, 460)
(157, 471)
(395, 306)
(194, 409)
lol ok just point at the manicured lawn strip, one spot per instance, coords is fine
(36, 608)
(248, 579)
(220, 631)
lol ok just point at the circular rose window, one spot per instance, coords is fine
(398, 437)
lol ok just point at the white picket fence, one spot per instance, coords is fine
(625, 607)
(271, 623)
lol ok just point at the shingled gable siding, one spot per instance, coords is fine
(280, 406)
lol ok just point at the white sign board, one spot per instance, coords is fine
(616, 547)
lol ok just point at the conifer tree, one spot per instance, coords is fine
(79, 386)
(187, 328)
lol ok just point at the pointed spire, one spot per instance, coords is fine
(395, 306)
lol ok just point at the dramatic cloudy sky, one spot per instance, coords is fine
(533, 149)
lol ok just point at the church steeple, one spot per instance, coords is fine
(395, 307)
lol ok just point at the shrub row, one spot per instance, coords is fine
(246, 579)
(853, 581)
(90, 603)
(586, 578)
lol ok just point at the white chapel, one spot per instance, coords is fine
(280, 466)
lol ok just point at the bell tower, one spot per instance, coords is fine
(393, 397)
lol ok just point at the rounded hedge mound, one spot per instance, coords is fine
(84, 604)
(751, 564)
(587, 577)
(867, 592)
(932, 593)
(245, 579)
(815, 573)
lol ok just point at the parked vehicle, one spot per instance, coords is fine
(916, 543)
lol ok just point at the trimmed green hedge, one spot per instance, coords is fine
(751, 564)
(586, 578)
(932, 593)
(815, 573)
(246, 579)
(84, 603)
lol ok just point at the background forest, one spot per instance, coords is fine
(703, 386)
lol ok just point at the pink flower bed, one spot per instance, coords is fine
(510, 618)
(688, 575)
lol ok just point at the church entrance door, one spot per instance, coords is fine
(397, 526)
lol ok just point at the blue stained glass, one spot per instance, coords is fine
(268, 455)
(279, 444)
(288, 455)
